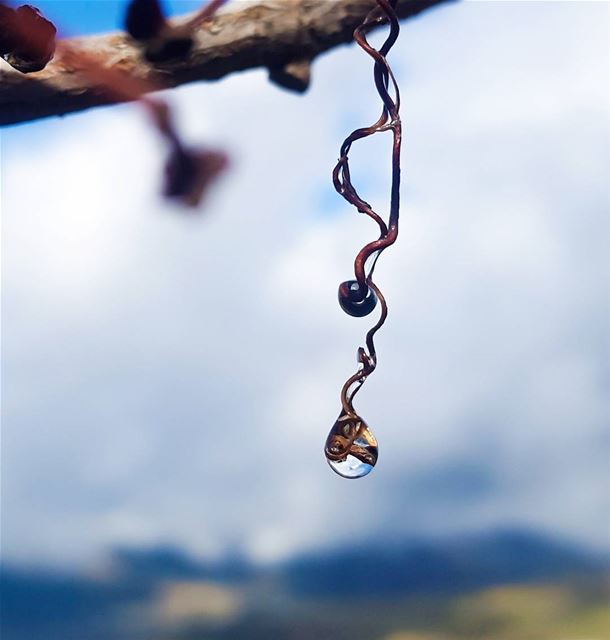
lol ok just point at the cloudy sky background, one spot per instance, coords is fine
(170, 378)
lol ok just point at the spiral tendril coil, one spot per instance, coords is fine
(363, 287)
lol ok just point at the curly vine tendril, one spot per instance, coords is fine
(358, 297)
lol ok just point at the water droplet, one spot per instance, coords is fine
(351, 448)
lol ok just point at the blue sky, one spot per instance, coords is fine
(76, 17)
(170, 378)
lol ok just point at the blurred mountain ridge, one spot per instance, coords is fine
(65, 605)
(447, 565)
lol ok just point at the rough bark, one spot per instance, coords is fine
(281, 35)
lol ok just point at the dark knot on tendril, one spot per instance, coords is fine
(355, 300)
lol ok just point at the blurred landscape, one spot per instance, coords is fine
(505, 585)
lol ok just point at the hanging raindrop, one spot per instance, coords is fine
(351, 448)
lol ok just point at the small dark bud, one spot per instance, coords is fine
(190, 173)
(294, 75)
(144, 19)
(27, 39)
(167, 49)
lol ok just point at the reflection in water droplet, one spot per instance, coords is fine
(351, 449)
(350, 467)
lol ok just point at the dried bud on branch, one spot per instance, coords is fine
(27, 39)
(145, 21)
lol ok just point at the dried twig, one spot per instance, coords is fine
(268, 33)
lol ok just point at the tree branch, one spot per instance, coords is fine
(281, 35)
